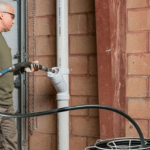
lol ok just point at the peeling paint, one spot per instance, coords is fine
(111, 35)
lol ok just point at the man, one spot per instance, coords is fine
(7, 125)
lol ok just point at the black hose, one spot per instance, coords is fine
(80, 107)
(44, 68)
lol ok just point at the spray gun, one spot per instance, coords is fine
(19, 66)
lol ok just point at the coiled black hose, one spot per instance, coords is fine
(63, 109)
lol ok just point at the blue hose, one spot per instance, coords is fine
(4, 71)
(21, 65)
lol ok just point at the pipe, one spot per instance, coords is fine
(62, 62)
(56, 77)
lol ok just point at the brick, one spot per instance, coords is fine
(30, 42)
(46, 7)
(47, 124)
(30, 105)
(43, 26)
(84, 86)
(93, 112)
(30, 8)
(149, 129)
(139, 20)
(78, 64)
(42, 103)
(149, 88)
(83, 44)
(91, 23)
(45, 102)
(132, 132)
(48, 62)
(77, 6)
(30, 82)
(149, 42)
(82, 126)
(93, 65)
(46, 45)
(53, 25)
(139, 108)
(136, 3)
(134, 90)
(78, 24)
(91, 141)
(54, 142)
(30, 27)
(79, 101)
(42, 86)
(139, 64)
(39, 141)
(136, 42)
(77, 143)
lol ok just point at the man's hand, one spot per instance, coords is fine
(34, 67)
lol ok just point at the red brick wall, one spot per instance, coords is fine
(138, 62)
(84, 124)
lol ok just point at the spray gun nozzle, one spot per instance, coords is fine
(50, 70)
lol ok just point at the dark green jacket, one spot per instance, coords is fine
(6, 81)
